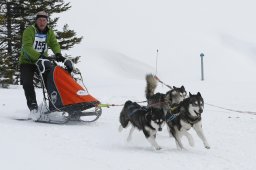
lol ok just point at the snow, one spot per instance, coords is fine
(119, 48)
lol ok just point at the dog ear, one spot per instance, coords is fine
(174, 87)
(199, 94)
(190, 94)
(183, 88)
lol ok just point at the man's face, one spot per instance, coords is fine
(41, 23)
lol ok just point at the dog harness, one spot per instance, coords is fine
(171, 117)
(191, 122)
(135, 110)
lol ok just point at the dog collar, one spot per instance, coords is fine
(192, 122)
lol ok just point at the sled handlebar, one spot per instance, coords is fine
(51, 58)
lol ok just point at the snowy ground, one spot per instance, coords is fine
(28, 145)
(117, 52)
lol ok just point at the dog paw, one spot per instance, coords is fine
(158, 148)
(191, 143)
(180, 148)
(129, 139)
(207, 147)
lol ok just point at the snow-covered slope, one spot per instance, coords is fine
(99, 145)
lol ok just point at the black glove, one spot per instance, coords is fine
(69, 65)
(59, 57)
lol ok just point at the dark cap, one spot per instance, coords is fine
(41, 14)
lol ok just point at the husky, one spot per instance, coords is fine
(148, 119)
(159, 100)
(186, 115)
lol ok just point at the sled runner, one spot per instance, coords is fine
(65, 96)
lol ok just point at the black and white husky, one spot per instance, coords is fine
(160, 100)
(148, 119)
(187, 115)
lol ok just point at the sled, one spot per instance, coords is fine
(65, 96)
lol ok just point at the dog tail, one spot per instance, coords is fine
(151, 85)
(124, 119)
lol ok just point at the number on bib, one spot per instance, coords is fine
(40, 42)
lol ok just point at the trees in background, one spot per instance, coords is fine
(15, 16)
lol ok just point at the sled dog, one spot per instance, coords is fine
(186, 115)
(148, 119)
(160, 100)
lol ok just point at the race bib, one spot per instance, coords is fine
(40, 43)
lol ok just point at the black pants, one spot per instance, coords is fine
(27, 72)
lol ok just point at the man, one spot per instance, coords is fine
(35, 42)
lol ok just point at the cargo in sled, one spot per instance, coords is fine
(65, 96)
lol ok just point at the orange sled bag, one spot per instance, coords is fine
(65, 93)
